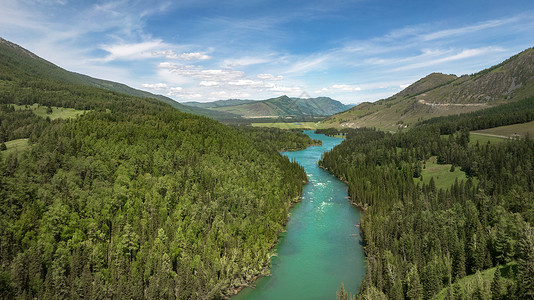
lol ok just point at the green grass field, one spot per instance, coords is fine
(57, 112)
(15, 146)
(483, 139)
(510, 130)
(468, 283)
(443, 177)
(288, 125)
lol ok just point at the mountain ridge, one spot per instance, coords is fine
(439, 95)
(282, 106)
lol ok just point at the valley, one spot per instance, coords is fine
(113, 192)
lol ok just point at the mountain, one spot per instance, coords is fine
(218, 103)
(280, 107)
(14, 56)
(439, 95)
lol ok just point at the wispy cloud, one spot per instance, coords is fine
(460, 31)
(457, 55)
(132, 51)
(169, 54)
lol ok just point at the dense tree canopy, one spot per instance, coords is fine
(419, 239)
(134, 199)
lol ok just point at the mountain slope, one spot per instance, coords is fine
(133, 198)
(440, 94)
(14, 56)
(286, 107)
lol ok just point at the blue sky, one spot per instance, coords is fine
(203, 50)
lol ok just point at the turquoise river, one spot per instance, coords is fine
(321, 246)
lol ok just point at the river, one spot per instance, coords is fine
(321, 247)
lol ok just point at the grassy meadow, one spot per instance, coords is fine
(443, 177)
(56, 113)
(15, 146)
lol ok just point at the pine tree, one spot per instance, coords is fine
(342, 293)
(525, 266)
(414, 288)
(458, 293)
(496, 285)
(430, 281)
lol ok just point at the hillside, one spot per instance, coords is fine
(107, 195)
(442, 209)
(440, 95)
(218, 103)
(14, 56)
(284, 107)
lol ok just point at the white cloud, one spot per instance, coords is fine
(347, 87)
(246, 82)
(184, 56)
(323, 90)
(194, 56)
(155, 86)
(469, 29)
(269, 77)
(131, 51)
(312, 63)
(463, 54)
(209, 83)
(243, 61)
(198, 72)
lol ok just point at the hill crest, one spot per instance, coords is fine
(440, 94)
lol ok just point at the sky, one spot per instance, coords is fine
(203, 50)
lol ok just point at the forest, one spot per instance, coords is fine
(420, 240)
(134, 199)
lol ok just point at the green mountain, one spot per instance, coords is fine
(107, 195)
(218, 103)
(440, 95)
(282, 107)
(14, 56)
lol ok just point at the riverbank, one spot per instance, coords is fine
(266, 268)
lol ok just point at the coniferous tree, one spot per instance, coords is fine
(496, 284)
(414, 289)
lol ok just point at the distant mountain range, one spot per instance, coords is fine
(283, 106)
(218, 103)
(440, 94)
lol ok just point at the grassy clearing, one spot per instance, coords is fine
(468, 283)
(15, 146)
(510, 130)
(443, 177)
(56, 113)
(483, 139)
(288, 125)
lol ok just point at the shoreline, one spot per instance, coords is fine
(266, 269)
